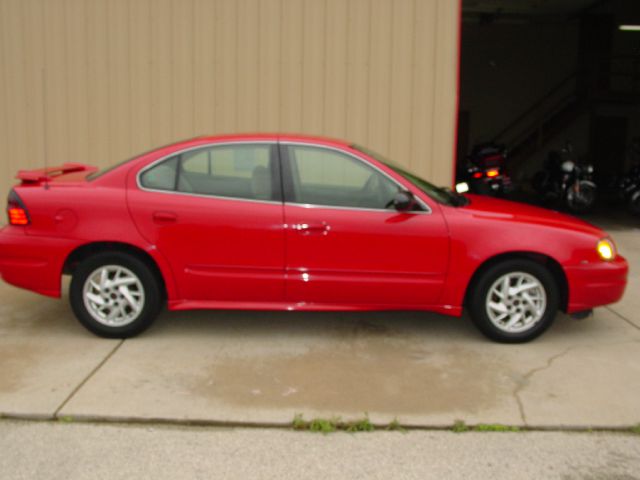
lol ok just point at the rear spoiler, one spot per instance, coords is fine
(46, 174)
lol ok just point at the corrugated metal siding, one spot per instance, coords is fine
(123, 76)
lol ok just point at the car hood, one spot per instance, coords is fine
(488, 207)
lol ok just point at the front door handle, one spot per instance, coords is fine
(312, 228)
(165, 217)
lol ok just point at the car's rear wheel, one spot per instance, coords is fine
(115, 295)
(514, 301)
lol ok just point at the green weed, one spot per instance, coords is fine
(459, 426)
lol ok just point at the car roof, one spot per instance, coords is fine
(291, 137)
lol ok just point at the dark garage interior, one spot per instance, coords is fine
(545, 76)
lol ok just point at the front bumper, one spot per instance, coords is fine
(596, 284)
(32, 262)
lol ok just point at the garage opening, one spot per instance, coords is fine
(550, 81)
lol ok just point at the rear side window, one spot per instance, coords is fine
(162, 176)
(245, 171)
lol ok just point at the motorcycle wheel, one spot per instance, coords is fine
(583, 200)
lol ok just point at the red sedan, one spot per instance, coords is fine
(284, 222)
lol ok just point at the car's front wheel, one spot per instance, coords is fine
(514, 301)
(115, 295)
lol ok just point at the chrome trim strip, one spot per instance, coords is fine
(335, 207)
(375, 167)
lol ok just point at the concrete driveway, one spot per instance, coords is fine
(264, 368)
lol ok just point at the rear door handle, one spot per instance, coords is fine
(164, 217)
(312, 228)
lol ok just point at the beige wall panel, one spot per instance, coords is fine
(270, 67)
(335, 72)
(140, 75)
(5, 145)
(57, 104)
(204, 81)
(291, 60)
(227, 68)
(401, 91)
(161, 72)
(33, 21)
(123, 76)
(424, 56)
(182, 69)
(313, 65)
(247, 30)
(97, 84)
(119, 85)
(358, 71)
(446, 94)
(380, 72)
(13, 52)
(76, 80)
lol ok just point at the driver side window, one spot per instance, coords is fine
(322, 176)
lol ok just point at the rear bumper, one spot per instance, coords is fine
(596, 284)
(33, 263)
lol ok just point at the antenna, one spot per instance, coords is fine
(44, 130)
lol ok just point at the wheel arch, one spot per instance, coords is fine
(87, 250)
(554, 267)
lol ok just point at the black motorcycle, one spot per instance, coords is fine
(484, 170)
(566, 182)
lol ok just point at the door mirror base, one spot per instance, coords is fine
(403, 201)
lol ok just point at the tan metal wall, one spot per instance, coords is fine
(123, 76)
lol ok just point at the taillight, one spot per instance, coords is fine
(477, 175)
(494, 172)
(16, 210)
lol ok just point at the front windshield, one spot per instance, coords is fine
(441, 195)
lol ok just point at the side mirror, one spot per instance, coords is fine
(403, 201)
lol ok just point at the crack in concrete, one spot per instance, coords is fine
(527, 376)
(87, 378)
(622, 317)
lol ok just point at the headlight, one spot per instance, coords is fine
(462, 187)
(606, 249)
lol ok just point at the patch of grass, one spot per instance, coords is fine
(459, 426)
(495, 427)
(65, 419)
(363, 425)
(395, 426)
(635, 429)
(298, 422)
(322, 425)
(319, 425)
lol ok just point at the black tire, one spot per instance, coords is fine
(152, 298)
(480, 289)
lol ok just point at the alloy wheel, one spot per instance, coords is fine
(516, 302)
(113, 295)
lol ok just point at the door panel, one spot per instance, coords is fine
(220, 249)
(344, 246)
(365, 257)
